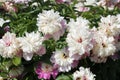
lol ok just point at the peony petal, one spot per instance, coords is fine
(27, 56)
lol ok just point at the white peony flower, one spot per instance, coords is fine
(30, 44)
(9, 45)
(83, 74)
(104, 46)
(79, 37)
(62, 60)
(51, 23)
(2, 21)
(109, 25)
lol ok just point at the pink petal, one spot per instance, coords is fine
(41, 51)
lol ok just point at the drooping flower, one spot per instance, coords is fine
(51, 23)
(9, 45)
(30, 44)
(62, 60)
(79, 38)
(83, 74)
(45, 71)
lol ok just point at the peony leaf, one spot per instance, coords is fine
(64, 77)
(16, 61)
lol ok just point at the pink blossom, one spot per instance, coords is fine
(41, 50)
(9, 6)
(45, 71)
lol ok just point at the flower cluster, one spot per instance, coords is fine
(52, 39)
(11, 46)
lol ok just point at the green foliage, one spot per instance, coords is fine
(16, 61)
(64, 77)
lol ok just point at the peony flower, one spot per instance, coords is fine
(79, 38)
(2, 21)
(45, 71)
(109, 25)
(104, 45)
(83, 74)
(51, 23)
(30, 44)
(62, 60)
(9, 45)
(9, 6)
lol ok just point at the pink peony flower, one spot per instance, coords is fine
(45, 71)
(9, 6)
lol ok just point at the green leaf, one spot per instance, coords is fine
(16, 61)
(64, 77)
(4, 75)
